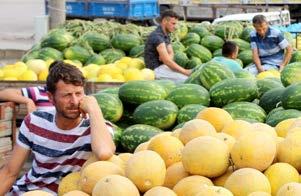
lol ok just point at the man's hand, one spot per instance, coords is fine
(260, 69)
(281, 67)
(30, 105)
(87, 105)
(188, 72)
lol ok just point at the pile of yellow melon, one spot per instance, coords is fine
(211, 155)
(123, 70)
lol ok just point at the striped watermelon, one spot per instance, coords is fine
(138, 92)
(199, 51)
(185, 94)
(181, 59)
(242, 44)
(58, 39)
(191, 38)
(233, 90)
(168, 85)
(189, 112)
(97, 41)
(110, 105)
(246, 57)
(134, 135)
(279, 114)
(212, 42)
(291, 97)
(271, 99)
(157, 113)
(291, 74)
(245, 35)
(178, 46)
(267, 84)
(212, 72)
(200, 30)
(125, 42)
(244, 74)
(194, 77)
(193, 62)
(296, 57)
(246, 110)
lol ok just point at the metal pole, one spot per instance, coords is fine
(57, 13)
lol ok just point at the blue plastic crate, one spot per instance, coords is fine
(133, 10)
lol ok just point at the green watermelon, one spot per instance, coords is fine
(194, 77)
(246, 110)
(97, 41)
(32, 54)
(178, 46)
(50, 53)
(213, 72)
(138, 92)
(279, 114)
(246, 57)
(242, 44)
(193, 62)
(168, 85)
(134, 135)
(199, 51)
(233, 90)
(157, 113)
(212, 42)
(267, 84)
(185, 94)
(191, 38)
(228, 30)
(110, 105)
(58, 39)
(137, 51)
(291, 74)
(181, 59)
(181, 30)
(291, 97)
(245, 35)
(271, 99)
(96, 59)
(125, 42)
(110, 90)
(77, 52)
(189, 112)
(218, 52)
(296, 57)
(200, 30)
(244, 74)
(112, 55)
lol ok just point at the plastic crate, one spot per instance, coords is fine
(133, 10)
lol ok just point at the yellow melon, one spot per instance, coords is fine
(160, 190)
(247, 180)
(36, 193)
(148, 74)
(289, 150)
(142, 146)
(278, 141)
(290, 189)
(259, 193)
(191, 185)
(115, 185)
(136, 63)
(291, 130)
(146, 169)
(265, 74)
(237, 128)
(69, 183)
(176, 133)
(206, 156)
(125, 156)
(132, 74)
(255, 150)
(228, 139)
(195, 128)
(168, 147)
(28, 75)
(295, 123)
(282, 127)
(91, 174)
(220, 181)
(118, 161)
(90, 160)
(280, 174)
(216, 116)
(174, 174)
(76, 193)
(43, 75)
(262, 127)
(213, 191)
(36, 65)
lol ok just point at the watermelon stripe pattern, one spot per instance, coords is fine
(291, 97)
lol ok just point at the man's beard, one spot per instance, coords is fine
(66, 115)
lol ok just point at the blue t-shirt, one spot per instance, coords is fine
(271, 47)
(229, 63)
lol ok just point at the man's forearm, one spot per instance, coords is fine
(287, 56)
(7, 180)
(101, 140)
(174, 66)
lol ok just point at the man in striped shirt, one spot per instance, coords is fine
(35, 97)
(62, 139)
(268, 45)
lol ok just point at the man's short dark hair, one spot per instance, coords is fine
(169, 13)
(59, 70)
(229, 48)
(259, 19)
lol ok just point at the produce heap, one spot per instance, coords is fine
(219, 133)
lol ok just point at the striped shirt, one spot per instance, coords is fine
(56, 152)
(39, 96)
(271, 47)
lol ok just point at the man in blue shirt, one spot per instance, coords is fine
(268, 45)
(229, 51)
(158, 52)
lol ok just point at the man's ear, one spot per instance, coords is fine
(50, 97)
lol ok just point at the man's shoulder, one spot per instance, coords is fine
(274, 31)
(253, 33)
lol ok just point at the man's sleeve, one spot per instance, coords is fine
(253, 41)
(29, 92)
(157, 40)
(283, 43)
(24, 138)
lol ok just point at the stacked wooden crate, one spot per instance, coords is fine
(7, 130)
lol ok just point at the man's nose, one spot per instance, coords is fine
(74, 99)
